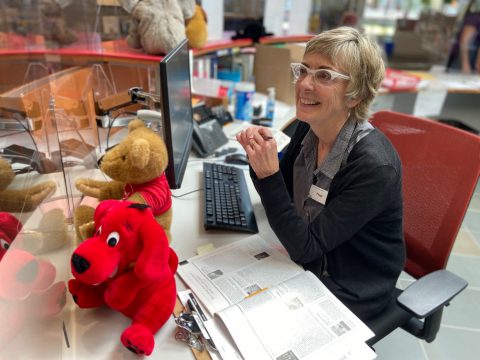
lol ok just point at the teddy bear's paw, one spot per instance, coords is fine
(51, 234)
(90, 187)
(86, 230)
(133, 40)
(138, 339)
(37, 194)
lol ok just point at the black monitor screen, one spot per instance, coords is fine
(176, 104)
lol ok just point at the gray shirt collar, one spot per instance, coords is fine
(334, 159)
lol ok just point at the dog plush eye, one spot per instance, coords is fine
(113, 239)
(4, 244)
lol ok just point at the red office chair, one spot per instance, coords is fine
(441, 166)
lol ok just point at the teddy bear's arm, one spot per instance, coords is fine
(13, 200)
(113, 190)
(121, 291)
(86, 296)
(101, 190)
(90, 187)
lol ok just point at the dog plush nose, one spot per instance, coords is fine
(79, 263)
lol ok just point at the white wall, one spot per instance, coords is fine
(214, 10)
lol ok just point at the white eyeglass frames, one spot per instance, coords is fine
(320, 76)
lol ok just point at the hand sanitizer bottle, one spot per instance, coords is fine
(270, 108)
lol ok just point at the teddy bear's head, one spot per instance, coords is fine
(6, 174)
(137, 159)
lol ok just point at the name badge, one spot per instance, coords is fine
(318, 194)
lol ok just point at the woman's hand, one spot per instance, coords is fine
(261, 149)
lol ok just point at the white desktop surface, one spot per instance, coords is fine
(95, 333)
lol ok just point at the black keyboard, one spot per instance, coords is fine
(227, 202)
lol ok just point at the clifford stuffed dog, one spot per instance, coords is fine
(129, 266)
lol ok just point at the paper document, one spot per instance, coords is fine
(429, 102)
(280, 137)
(271, 307)
(230, 273)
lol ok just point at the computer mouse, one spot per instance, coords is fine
(237, 159)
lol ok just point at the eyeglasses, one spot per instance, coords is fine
(320, 76)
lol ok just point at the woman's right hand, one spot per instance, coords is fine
(261, 149)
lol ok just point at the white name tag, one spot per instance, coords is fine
(318, 194)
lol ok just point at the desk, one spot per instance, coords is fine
(95, 333)
(460, 103)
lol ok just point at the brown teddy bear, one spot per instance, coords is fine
(160, 25)
(21, 200)
(52, 231)
(137, 169)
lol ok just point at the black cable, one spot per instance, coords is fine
(187, 193)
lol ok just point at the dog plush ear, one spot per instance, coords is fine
(103, 208)
(152, 264)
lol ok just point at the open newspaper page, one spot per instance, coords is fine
(230, 273)
(297, 319)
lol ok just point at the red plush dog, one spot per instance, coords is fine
(129, 266)
(9, 229)
(27, 292)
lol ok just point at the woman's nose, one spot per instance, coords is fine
(307, 82)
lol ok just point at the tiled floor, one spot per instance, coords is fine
(459, 336)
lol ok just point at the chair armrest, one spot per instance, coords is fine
(431, 292)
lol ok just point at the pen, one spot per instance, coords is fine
(266, 138)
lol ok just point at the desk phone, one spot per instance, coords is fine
(207, 132)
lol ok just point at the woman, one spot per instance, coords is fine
(335, 199)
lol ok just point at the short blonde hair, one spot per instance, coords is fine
(359, 57)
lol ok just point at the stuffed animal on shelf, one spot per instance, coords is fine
(137, 169)
(129, 266)
(159, 25)
(28, 293)
(196, 28)
(54, 25)
(21, 200)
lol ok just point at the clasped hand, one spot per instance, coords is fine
(261, 149)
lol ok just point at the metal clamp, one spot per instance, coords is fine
(189, 331)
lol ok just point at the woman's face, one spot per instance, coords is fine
(317, 103)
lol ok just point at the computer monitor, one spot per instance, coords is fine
(176, 107)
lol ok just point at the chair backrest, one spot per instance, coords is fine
(441, 166)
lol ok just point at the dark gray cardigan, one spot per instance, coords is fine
(359, 233)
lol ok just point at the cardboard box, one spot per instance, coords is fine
(272, 69)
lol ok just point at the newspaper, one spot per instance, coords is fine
(271, 307)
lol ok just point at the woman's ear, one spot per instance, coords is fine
(352, 102)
